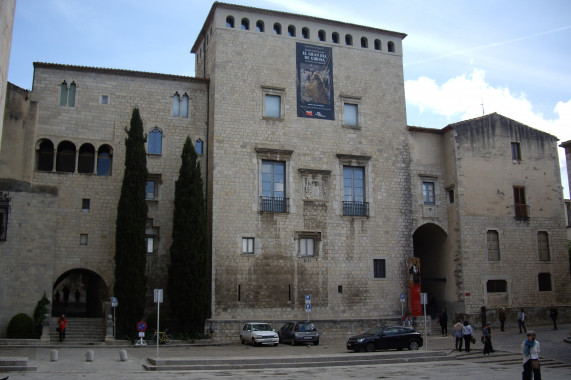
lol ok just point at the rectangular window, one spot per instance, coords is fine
(379, 268)
(350, 115)
(521, 210)
(104, 99)
(497, 286)
(273, 106)
(273, 186)
(85, 204)
(451, 196)
(493, 245)
(516, 151)
(151, 189)
(543, 246)
(544, 282)
(306, 246)
(248, 246)
(83, 239)
(354, 191)
(568, 210)
(150, 242)
(3, 223)
(428, 193)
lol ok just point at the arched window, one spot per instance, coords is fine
(65, 159)
(391, 47)
(86, 159)
(305, 33)
(71, 97)
(184, 106)
(176, 105)
(277, 28)
(348, 40)
(104, 160)
(378, 45)
(291, 31)
(199, 147)
(364, 42)
(321, 35)
(335, 37)
(63, 94)
(260, 26)
(229, 22)
(45, 158)
(155, 141)
(245, 24)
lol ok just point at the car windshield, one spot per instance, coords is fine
(305, 327)
(261, 327)
(373, 331)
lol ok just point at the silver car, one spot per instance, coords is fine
(258, 333)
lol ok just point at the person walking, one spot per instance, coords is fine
(487, 339)
(467, 333)
(553, 316)
(457, 334)
(62, 325)
(530, 352)
(502, 316)
(521, 320)
(444, 323)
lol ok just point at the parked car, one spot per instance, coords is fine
(259, 333)
(299, 332)
(386, 337)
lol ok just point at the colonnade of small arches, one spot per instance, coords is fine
(66, 158)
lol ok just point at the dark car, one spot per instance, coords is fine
(386, 337)
(299, 333)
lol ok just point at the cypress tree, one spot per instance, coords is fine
(188, 286)
(130, 250)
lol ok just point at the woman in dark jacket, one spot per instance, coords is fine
(487, 340)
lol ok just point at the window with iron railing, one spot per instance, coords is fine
(273, 187)
(354, 191)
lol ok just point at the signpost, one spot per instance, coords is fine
(424, 301)
(158, 299)
(142, 327)
(308, 305)
(114, 304)
(402, 301)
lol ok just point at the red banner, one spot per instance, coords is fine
(415, 286)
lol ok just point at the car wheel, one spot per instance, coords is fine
(292, 341)
(275, 344)
(370, 347)
(253, 342)
(242, 341)
(316, 343)
(413, 345)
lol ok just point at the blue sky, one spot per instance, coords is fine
(512, 57)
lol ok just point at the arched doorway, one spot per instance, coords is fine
(79, 293)
(430, 247)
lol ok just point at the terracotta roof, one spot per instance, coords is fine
(129, 73)
(283, 14)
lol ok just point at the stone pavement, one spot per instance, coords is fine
(71, 363)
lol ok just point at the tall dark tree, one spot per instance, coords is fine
(189, 274)
(130, 249)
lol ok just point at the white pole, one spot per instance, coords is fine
(425, 331)
(158, 336)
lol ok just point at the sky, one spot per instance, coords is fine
(461, 58)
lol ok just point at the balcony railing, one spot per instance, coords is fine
(522, 211)
(355, 208)
(273, 204)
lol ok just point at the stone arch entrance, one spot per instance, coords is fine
(86, 284)
(430, 245)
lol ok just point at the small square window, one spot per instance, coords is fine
(379, 268)
(497, 286)
(340, 289)
(83, 239)
(544, 282)
(306, 246)
(85, 204)
(104, 99)
(350, 115)
(272, 106)
(248, 246)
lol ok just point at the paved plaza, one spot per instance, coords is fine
(505, 363)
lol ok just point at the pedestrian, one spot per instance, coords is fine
(65, 295)
(457, 333)
(553, 316)
(530, 352)
(77, 295)
(444, 323)
(487, 339)
(62, 326)
(467, 333)
(521, 320)
(502, 317)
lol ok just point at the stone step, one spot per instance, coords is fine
(80, 330)
(15, 364)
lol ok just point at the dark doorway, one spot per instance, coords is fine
(79, 293)
(430, 246)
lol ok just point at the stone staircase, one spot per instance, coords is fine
(80, 330)
(15, 364)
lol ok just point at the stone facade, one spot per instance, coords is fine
(433, 194)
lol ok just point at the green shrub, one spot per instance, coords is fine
(39, 312)
(21, 326)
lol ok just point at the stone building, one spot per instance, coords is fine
(315, 184)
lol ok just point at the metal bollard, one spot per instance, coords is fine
(53, 355)
(123, 355)
(89, 355)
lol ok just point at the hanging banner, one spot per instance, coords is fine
(315, 82)
(415, 286)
